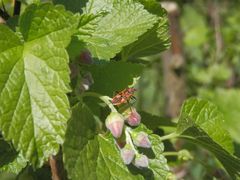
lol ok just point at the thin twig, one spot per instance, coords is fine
(17, 7)
(54, 168)
(169, 136)
(170, 153)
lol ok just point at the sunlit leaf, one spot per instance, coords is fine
(122, 23)
(34, 78)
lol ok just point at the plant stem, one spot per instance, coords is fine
(129, 139)
(169, 136)
(17, 7)
(105, 99)
(172, 153)
(54, 168)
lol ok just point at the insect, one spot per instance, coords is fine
(123, 96)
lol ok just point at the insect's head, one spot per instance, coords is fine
(132, 90)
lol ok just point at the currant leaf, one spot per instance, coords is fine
(201, 122)
(121, 23)
(34, 78)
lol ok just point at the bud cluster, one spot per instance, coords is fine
(115, 122)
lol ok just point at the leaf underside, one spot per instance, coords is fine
(230, 106)
(202, 123)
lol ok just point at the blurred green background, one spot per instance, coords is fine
(209, 31)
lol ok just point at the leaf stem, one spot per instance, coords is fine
(54, 168)
(129, 139)
(169, 136)
(105, 99)
(170, 153)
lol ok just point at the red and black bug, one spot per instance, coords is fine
(123, 96)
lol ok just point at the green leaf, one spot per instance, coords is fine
(34, 80)
(80, 131)
(96, 6)
(122, 23)
(12, 22)
(113, 76)
(228, 102)
(15, 166)
(155, 39)
(109, 162)
(85, 28)
(152, 6)
(91, 157)
(202, 123)
(158, 165)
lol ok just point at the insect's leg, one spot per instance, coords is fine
(134, 99)
(129, 104)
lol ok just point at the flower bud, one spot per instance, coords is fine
(127, 154)
(85, 58)
(141, 140)
(184, 155)
(132, 117)
(114, 123)
(141, 161)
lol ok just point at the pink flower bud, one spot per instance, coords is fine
(132, 117)
(127, 154)
(141, 140)
(141, 161)
(114, 123)
(85, 57)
